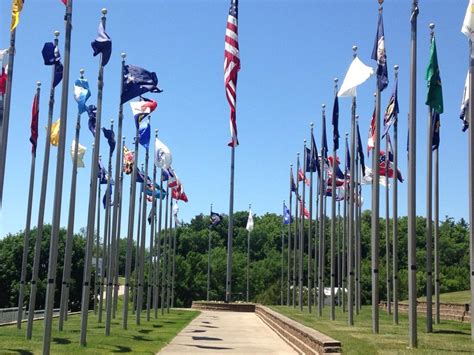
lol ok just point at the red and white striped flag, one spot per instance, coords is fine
(232, 67)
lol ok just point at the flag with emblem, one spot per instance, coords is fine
(379, 55)
(138, 81)
(434, 98)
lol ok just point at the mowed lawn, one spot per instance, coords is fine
(148, 338)
(462, 297)
(448, 337)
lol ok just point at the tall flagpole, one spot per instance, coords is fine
(387, 227)
(209, 259)
(26, 235)
(436, 233)
(173, 271)
(230, 231)
(165, 254)
(248, 258)
(289, 244)
(158, 249)
(131, 220)
(70, 226)
(350, 236)
(53, 252)
(301, 237)
(6, 113)
(310, 234)
(282, 275)
(295, 238)
(97, 247)
(471, 173)
(412, 316)
(316, 233)
(345, 230)
(322, 216)
(356, 195)
(150, 258)
(395, 215)
(429, 210)
(333, 222)
(170, 255)
(42, 204)
(339, 267)
(137, 249)
(106, 246)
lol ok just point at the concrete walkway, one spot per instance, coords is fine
(227, 332)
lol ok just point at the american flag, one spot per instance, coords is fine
(232, 67)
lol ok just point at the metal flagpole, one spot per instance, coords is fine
(158, 249)
(174, 261)
(429, 210)
(137, 251)
(248, 258)
(131, 219)
(141, 269)
(345, 231)
(42, 203)
(209, 259)
(53, 252)
(165, 254)
(356, 223)
(316, 233)
(412, 316)
(295, 238)
(310, 234)
(230, 231)
(338, 248)
(436, 234)
(289, 244)
(322, 216)
(387, 226)
(301, 241)
(395, 215)
(350, 236)
(6, 113)
(97, 248)
(70, 227)
(150, 258)
(26, 235)
(170, 255)
(333, 223)
(471, 173)
(119, 224)
(282, 277)
(358, 244)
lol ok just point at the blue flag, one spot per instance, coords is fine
(144, 133)
(348, 158)
(156, 192)
(360, 151)
(324, 143)
(292, 182)
(109, 134)
(50, 58)
(92, 111)
(81, 94)
(313, 165)
(140, 176)
(102, 174)
(102, 44)
(286, 215)
(109, 193)
(335, 123)
(379, 55)
(138, 81)
(435, 138)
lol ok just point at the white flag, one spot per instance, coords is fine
(357, 74)
(465, 104)
(175, 211)
(3, 54)
(250, 222)
(163, 157)
(369, 176)
(468, 24)
(81, 150)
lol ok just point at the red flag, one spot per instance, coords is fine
(232, 67)
(64, 2)
(34, 123)
(179, 194)
(3, 81)
(302, 177)
(304, 211)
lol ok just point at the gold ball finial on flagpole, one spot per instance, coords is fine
(104, 11)
(56, 34)
(123, 55)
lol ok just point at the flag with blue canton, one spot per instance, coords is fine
(391, 113)
(144, 133)
(216, 218)
(109, 134)
(81, 94)
(379, 55)
(286, 215)
(435, 138)
(138, 81)
(102, 44)
(335, 123)
(92, 111)
(360, 151)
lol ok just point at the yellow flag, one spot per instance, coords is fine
(55, 132)
(17, 6)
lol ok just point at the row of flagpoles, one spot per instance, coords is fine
(135, 82)
(346, 187)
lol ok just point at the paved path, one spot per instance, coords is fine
(225, 333)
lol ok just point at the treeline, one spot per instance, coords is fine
(265, 260)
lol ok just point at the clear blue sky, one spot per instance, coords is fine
(290, 52)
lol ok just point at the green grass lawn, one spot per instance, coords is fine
(148, 338)
(452, 297)
(448, 337)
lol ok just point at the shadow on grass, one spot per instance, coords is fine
(122, 349)
(61, 341)
(206, 338)
(145, 331)
(157, 326)
(449, 331)
(22, 351)
(140, 338)
(169, 322)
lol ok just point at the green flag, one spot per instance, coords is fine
(434, 99)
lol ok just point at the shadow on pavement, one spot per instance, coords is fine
(206, 338)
